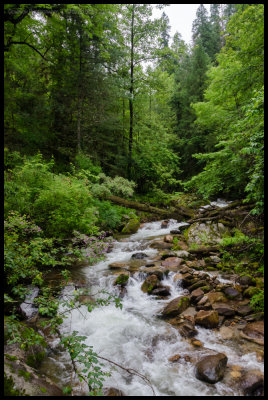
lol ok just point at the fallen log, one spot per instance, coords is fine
(176, 213)
(204, 250)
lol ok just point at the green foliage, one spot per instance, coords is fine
(257, 301)
(92, 372)
(27, 252)
(233, 111)
(118, 186)
(27, 337)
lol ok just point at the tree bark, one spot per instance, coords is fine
(177, 213)
(131, 91)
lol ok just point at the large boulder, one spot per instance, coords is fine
(252, 383)
(206, 233)
(207, 319)
(131, 227)
(175, 307)
(254, 332)
(211, 368)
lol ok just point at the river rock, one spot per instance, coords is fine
(215, 259)
(164, 224)
(172, 262)
(224, 309)
(232, 293)
(175, 232)
(250, 291)
(131, 227)
(161, 291)
(245, 280)
(111, 391)
(174, 358)
(196, 295)
(244, 310)
(198, 284)
(177, 277)
(175, 307)
(208, 319)
(121, 280)
(211, 369)
(139, 256)
(216, 297)
(150, 283)
(254, 332)
(160, 272)
(168, 239)
(208, 233)
(183, 254)
(252, 383)
(25, 379)
(187, 329)
(118, 265)
(160, 244)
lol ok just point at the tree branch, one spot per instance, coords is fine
(6, 48)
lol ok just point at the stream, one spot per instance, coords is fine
(135, 337)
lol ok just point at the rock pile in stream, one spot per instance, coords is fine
(207, 302)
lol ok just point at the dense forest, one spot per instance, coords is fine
(109, 122)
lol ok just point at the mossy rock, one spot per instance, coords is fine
(211, 268)
(131, 227)
(9, 389)
(175, 307)
(259, 283)
(251, 291)
(206, 289)
(121, 280)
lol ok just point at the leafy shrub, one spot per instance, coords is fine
(118, 186)
(27, 252)
(65, 206)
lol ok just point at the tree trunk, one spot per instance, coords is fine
(131, 91)
(178, 213)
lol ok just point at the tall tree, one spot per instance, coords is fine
(141, 42)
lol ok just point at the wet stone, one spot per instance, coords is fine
(211, 369)
(139, 256)
(252, 383)
(208, 319)
(232, 293)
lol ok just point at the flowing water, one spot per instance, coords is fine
(136, 338)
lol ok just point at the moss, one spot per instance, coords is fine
(34, 360)
(206, 289)
(9, 389)
(11, 358)
(251, 291)
(211, 268)
(122, 280)
(26, 375)
(185, 233)
(131, 227)
(43, 390)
